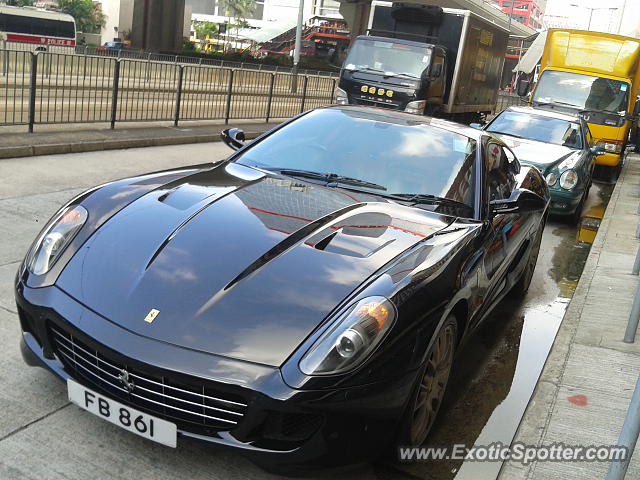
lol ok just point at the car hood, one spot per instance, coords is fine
(238, 263)
(540, 154)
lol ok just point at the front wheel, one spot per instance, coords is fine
(429, 392)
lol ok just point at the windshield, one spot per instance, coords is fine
(582, 91)
(538, 127)
(401, 156)
(388, 57)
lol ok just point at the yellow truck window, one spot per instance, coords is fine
(585, 92)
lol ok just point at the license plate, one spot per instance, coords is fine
(130, 419)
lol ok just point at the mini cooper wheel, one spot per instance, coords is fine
(429, 393)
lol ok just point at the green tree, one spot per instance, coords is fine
(88, 15)
(203, 29)
(239, 9)
(20, 3)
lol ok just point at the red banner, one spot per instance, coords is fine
(36, 39)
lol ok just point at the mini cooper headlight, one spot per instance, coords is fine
(47, 249)
(568, 179)
(551, 179)
(351, 338)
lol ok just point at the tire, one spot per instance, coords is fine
(576, 216)
(521, 287)
(422, 409)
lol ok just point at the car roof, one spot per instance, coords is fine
(409, 119)
(545, 113)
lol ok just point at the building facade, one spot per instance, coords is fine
(266, 12)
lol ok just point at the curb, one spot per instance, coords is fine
(111, 144)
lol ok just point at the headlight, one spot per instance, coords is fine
(610, 146)
(568, 179)
(47, 249)
(551, 179)
(351, 338)
(341, 96)
(416, 107)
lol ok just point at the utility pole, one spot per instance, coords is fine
(298, 46)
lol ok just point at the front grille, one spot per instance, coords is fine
(194, 406)
(373, 103)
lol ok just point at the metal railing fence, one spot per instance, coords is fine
(48, 88)
(132, 54)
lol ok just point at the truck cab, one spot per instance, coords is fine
(424, 59)
(393, 73)
(594, 74)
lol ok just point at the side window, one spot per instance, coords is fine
(500, 178)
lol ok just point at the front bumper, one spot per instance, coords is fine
(609, 159)
(282, 429)
(564, 202)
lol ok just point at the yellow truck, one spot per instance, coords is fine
(597, 74)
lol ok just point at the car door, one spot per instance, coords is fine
(505, 231)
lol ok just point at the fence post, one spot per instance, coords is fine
(147, 73)
(304, 93)
(114, 96)
(270, 99)
(178, 95)
(5, 59)
(333, 90)
(32, 91)
(229, 93)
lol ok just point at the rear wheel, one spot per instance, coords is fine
(521, 287)
(427, 398)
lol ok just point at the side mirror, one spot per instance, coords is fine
(436, 70)
(522, 87)
(636, 108)
(233, 137)
(521, 200)
(597, 150)
(477, 126)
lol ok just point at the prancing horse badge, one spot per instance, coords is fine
(151, 316)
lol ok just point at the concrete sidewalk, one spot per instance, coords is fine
(56, 139)
(584, 391)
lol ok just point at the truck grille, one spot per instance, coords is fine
(196, 407)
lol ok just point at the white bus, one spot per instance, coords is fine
(36, 28)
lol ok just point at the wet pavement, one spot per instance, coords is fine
(497, 370)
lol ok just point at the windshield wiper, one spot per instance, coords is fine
(402, 74)
(564, 104)
(505, 133)
(331, 178)
(364, 69)
(425, 198)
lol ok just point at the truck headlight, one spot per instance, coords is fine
(55, 238)
(610, 146)
(568, 179)
(416, 107)
(341, 96)
(351, 338)
(551, 179)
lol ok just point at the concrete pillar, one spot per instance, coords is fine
(357, 16)
(158, 25)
